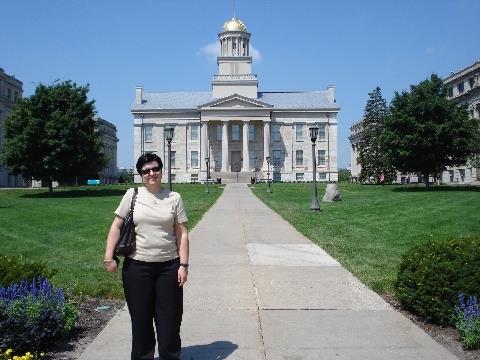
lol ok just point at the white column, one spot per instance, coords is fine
(246, 158)
(204, 142)
(225, 159)
(266, 143)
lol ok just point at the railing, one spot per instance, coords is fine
(235, 77)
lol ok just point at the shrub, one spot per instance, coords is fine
(344, 175)
(34, 315)
(432, 274)
(14, 269)
(467, 321)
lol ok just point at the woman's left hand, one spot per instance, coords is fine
(182, 275)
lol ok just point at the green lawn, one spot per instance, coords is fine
(374, 225)
(69, 230)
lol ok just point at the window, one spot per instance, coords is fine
(15, 96)
(299, 176)
(321, 131)
(194, 159)
(194, 178)
(460, 88)
(321, 157)
(299, 132)
(450, 92)
(276, 132)
(251, 158)
(172, 156)
(235, 132)
(276, 157)
(277, 176)
(148, 135)
(217, 162)
(173, 177)
(251, 132)
(9, 94)
(193, 132)
(219, 132)
(299, 157)
(471, 82)
(322, 176)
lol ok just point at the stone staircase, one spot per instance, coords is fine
(234, 177)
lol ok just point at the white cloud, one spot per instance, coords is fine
(212, 50)
(256, 55)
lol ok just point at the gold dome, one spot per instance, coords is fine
(234, 24)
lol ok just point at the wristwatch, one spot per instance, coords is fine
(185, 265)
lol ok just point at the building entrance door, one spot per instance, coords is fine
(236, 162)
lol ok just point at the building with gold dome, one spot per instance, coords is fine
(237, 126)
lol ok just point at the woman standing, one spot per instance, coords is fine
(154, 274)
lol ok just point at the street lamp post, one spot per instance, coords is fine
(207, 161)
(169, 137)
(269, 189)
(313, 137)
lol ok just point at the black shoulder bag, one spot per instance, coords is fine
(126, 242)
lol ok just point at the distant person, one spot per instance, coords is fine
(408, 180)
(382, 179)
(154, 274)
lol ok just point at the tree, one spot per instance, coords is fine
(372, 157)
(344, 175)
(126, 177)
(52, 135)
(425, 132)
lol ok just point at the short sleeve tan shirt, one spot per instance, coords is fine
(154, 216)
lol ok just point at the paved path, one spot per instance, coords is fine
(258, 290)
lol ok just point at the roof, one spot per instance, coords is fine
(173, 100)
(296, 100)
(192, 100)
(466, 70)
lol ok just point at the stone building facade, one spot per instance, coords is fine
(464, 86)
(11, 89)
(355, 138)
(236, 126)
(108, 131)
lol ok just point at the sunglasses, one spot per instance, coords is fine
(155, 169)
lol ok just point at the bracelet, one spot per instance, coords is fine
(107, 261)
(184, 265)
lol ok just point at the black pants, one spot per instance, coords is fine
(152, 294)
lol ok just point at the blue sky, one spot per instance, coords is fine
(114, 45)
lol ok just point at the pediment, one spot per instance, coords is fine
(235, 101)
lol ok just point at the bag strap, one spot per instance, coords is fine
(134, 197)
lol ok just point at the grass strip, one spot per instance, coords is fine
(69, 230)
(373, 226)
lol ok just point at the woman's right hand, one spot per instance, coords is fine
(111, 266)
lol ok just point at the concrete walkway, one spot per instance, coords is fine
(258, 290)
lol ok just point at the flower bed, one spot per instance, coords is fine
(33, 316)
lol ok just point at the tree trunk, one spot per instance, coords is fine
(427, 185)
(50, 187)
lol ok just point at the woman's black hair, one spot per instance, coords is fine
(148, 157)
